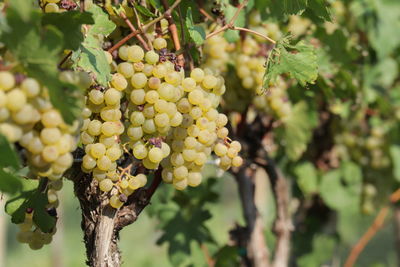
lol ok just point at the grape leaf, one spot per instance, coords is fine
(184, 221)
(30, 197)
(307, 178)
(336, 193)
(297, 130)
(69, 23)
(102, 24)
(299, 61)
(37, 47)
(320, 9)
(9, 182)
(8, 156)
(90, 55)
(323, 249)
(232, 35)
(145, 11)
(197, 33)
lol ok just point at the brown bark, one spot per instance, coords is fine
(101, 223)
(252, 236)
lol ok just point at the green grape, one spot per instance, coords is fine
(159, 43)
(155, 154)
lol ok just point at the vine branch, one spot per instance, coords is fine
(174, 32)
(371, 231)
(145, 27)
(231, 25)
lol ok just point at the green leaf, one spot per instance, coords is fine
(320, 9)
(227, 256)
(197, 33)
(37, 47)
(145, 11)
(231, 35)
(8, 156)
(91, 57)
(30, 197)
(298, 61)
(323, 249)
(395, 154)
(338, 195)
(69, 23)
(283, 8)
(102, 24)
(9, 182)
(307, 178)
(297, 130)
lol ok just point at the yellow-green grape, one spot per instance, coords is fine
(115, 202)
(7, 80)
(159, 43)
(135, 53)
(106, 185)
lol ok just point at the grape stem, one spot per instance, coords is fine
(145, 27)
(133, 29)
(174, 33)
(231, 25)
(372, 230)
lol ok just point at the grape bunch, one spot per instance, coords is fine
(28, 119)
(217, 53)
(153, 113)
(30, 234)
(57, 6)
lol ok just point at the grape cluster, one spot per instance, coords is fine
(155, 114)
(28, 119)
(30, 234)
(57, 6)
(217, 53)
(366, 148)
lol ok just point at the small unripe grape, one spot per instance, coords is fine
(237, 161)
(221, 120)
(138, 80)
(194, 179)
(177, 159)
(195, 97)
(149, 126)
(97, 150)
(135, 53)
(161, 106)
(123, 52)
(151, 57)
(50, 136)
(126, 69)
(236, 145)
(106, 185)
(140, 151)
(155, 155)
(161, 120)
(135, 133)
(137, 118)
(51, 8)
(50, 153)
(16, 99)
(180, 173)
(96, 96)
(138, 97)
(112, 96)
(167, 175)
(151, 96)
(160, 71)
(30, 87)
(189, 154)
(209, 81)
(180, 184)
(115, 202)
(103, 163)
(7, 80)
(159, 43)
(134, 183)
(197, 74)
